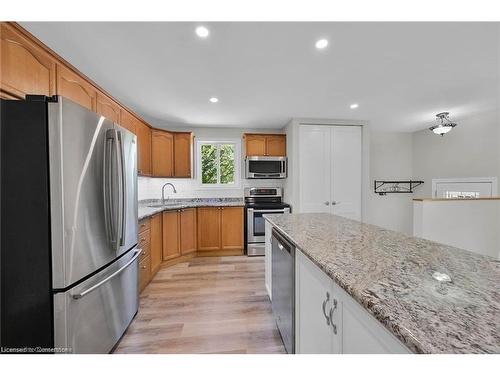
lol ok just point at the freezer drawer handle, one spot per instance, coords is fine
(114, 274)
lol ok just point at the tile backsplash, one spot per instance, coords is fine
(150, 188)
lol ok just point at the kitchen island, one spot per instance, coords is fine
(431, 297)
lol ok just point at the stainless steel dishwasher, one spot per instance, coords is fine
(283, 285)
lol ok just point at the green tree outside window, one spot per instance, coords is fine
(218, 163)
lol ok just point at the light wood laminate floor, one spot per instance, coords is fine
(205, 305)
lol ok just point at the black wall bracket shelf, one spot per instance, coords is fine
(393, 187)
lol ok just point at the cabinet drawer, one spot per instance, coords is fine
(144, 272)
(145, 242)
(144, 224)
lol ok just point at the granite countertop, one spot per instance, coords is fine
(391, 275)
(145, 210)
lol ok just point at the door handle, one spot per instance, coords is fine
(123, 187)
(113, 275)
(335, 203)
(327, 317)
(327, 203)
(330, 315)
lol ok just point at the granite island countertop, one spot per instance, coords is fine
(145, 210)
(391, 275)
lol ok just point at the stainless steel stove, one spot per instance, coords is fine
(258, 202)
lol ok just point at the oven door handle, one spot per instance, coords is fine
(270, 210)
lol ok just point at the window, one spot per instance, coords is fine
(218, 163)
(464, 188)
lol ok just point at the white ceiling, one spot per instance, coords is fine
(401, 74)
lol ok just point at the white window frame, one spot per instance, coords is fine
(492, 180)
(237, 161)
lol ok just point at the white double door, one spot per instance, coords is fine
(330, 160)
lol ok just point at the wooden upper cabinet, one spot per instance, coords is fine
(143, 133)
(108, 108)
(276, 145)
(232, 228)
(265, 144)
(156, 242)
(162, 151)
(182, 154)
(255, 145)
(188, 230)
(209, 228)
(128, 121)
(25, 67)
(170, 235)
(75, 88)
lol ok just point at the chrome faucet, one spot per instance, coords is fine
(163, 191)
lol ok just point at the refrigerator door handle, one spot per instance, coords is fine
(107, 186)
(114, 194)
(119, 174)
(110, 277)
(123, 187)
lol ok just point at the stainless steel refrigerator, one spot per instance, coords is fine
(69, 256)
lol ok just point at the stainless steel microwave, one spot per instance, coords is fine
(265, 167)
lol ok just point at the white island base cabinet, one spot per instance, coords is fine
(328, 320)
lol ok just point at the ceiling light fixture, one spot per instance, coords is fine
(444, 125)
(354, 106)
(213, 100)
(202, 31)
(321, 44)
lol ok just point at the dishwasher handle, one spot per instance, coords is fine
(282, 243)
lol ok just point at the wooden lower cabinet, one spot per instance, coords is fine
(171, 247)
(231, 228)
(144, 272)
(156, 246)
(187, 229)
(181, 233)
(209, 228)
(220, 228)
(144, 243)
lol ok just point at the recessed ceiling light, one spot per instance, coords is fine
(322, 43)
(354, 106)
(214, 100)
(202, 31)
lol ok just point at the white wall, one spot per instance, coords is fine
(390, 159)
(472, 149)
(150, 187)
